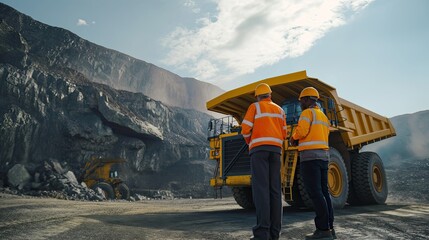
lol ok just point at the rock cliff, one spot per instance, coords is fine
(70, 118)
(67, 99)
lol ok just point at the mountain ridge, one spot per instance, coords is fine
(58, 46)
(411, 141)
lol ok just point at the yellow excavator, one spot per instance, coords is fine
(103, 173)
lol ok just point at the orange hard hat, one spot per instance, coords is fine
(309, 92)
(262, 88)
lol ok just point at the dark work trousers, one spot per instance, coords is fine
(267, 195)
(315, 176)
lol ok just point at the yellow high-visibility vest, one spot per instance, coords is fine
(312, 130)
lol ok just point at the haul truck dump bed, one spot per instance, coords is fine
(354, 177)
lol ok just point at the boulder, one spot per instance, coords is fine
(56, 166)
(71, 177)
(18, 176)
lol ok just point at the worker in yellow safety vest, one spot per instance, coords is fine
(264, 130)
(311, 135)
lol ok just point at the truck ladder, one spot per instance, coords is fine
(217, 189)
(290, 166)
(218, 192)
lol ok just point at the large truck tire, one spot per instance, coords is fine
(297, 201)
(338, 180)
(300, 197)
(369, 178)
(106, 188)
(305, 198)
(353, 199)
(243, 196)
(124, 191)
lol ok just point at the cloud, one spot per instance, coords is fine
(192, 5)
(81, 22)
(246, 35)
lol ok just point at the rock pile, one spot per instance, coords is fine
(50, 179)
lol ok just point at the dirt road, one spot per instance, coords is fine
(219, 219)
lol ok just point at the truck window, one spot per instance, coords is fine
(223, 125)
(292, 110)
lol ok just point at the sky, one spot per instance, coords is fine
(374, 52)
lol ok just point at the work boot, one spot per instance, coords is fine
(319, 234)
(334, 235)
(254, 238)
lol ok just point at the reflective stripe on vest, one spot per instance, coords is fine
(247, 135)
(265, 139)
(260, 115)
(315, 121)
(248, 123)
(313, 143)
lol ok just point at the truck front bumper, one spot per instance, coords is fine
(234, 181)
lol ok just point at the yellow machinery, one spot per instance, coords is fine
(103, 173)
(354, 177)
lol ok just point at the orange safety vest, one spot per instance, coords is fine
(312, 130)
(264, 124)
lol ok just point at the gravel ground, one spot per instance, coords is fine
(405, 216)
(24, 217)
(407, 182)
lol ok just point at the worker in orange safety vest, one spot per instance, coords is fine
(264, 130)
(311, 136)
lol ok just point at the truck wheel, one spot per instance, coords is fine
(297, 202)
(353, 199)
(124, 191)
(303, 195)
(338, 181)
(243, 197)
(300, 197)
(369, 178)
(106, 188)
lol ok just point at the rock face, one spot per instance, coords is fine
(54, 106)
(45, 116)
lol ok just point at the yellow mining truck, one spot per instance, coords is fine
(354, 177)
(103, 173)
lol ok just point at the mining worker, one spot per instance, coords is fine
(311, 135)
(264, 130)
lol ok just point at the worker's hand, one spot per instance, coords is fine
(293, 142)
(247, 140)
